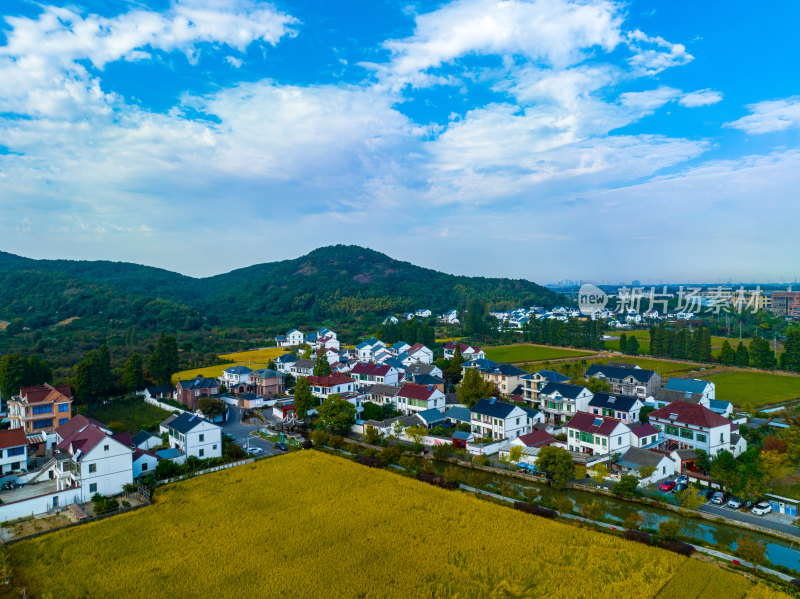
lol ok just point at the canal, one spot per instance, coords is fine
(721, 536)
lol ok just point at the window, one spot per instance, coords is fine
(63, 407)
(92, 468)
(215, 446)
(15, 451)
(701, 438)
(93, 488)
(106, 447)
(46, 409)
(43, 423)
(572, 433)
(144, 466)
(604, 442)
(619, 440)
(722, 437)
(62, 421)
(202, 452)
(686, 434)
(202, 438)
(671, 430)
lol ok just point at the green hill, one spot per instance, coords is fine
(330, 283)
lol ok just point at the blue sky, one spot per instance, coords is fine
(541, 139)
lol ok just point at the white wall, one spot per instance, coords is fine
(114, 469)
(138, 465)
(37, 505)
(210, 445)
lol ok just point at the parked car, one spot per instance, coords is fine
(256, 450)
(718, 497)
(761, 508)
(281, 446)
(668, 485)
(682, 479)
(705, 494)
(680, 487)
(735, 503)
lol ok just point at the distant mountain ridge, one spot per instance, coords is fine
(342, 281)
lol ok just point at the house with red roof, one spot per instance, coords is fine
(687, 425)
(597, 435)
(413, 398)
(468, 352)
(366, 374)
(420, 353)
(92, 458)
(40, 409)
(324, 386)
(13, 450)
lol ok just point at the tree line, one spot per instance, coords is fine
(587, 334)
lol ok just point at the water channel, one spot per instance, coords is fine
(779, 552)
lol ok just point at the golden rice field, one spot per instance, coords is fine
(309, 524)
(259, 357)
(210, 372)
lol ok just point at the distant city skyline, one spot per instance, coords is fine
(535, 139)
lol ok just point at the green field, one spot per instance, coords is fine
(755, 389)
(308, 525)
(644, 345)
(127, 415)
(662, 367)
(523, 352)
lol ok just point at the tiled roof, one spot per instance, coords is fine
(640, 458)
(458, 413)
(686, 385)
(46, 392)
(611, 401)
(537, 439)
(199, 383)
(143, 436)
(371, 369)
(83, 440)
(553, 376)
(644, 430)
(412, 391)
(493, 408)
(12, 438)
(304, 363)
(431, 415)
(690, 413)
(612, 372)
(590, 423)
(238, 370)
(330, 380)
(564, 389)
(382, 389)
(186, 422)
(267, 373)
(506, 370)
(670, 395)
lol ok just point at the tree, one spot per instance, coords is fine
(304, 400)
(598, 385)
(473, 388)
(600, 473)
(372, 435)
(371, 411)
(623, 343)
(91, 380)
(772, 465)
(634, 520)
(337, 414)
(751, 550)
(725, 469)
(632, 347)
(761, 355)
(627, 486)
(689, 498)
(12, 374)
(790, 358)
(306, 355)
(515, 454)
(563, 504)
(727, 355)
(133, 373)
(322, 367)
(742, 357)
(558, 463)
(211, 407)
(669, 529)
(592, 511)
(397, 429)
(163, 362)
(453, 370)
(416, 433)
(703, 461)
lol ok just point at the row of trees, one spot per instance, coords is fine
(680, 344)
(629, 345)
(17, 372)
(410, 331)
(759, 354)
(573, 333)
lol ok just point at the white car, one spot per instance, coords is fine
(762, 508)
(255, 450)
(682, 479)
(735, 503)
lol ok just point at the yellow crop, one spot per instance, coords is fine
(257, 357)
(312, 525)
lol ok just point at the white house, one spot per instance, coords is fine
(236, 375)
(145, 440)
(597, 435)
(13, 450)
(325, 332)
(417, 398)
(324, 386)
(635, 460)
(468, 352)
(194, 436)
(367, 374)
(561, 401)
(693, 426)
(144, 462)
(295, 337)
(495, 419)
(621, 407)
(91, 457)
(706, 389)
(420, 353)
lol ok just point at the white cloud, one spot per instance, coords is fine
(770, 116)
(646, 102)
(558, 32)
(654, 54)
(701, 97)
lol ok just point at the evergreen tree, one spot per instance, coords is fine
(133, 373)
(37, 371)
(473, 388)
(727, 355)
(704, 347)
(623, 343)
(322, 366)
(303, 398)
(633, 346)
(453, 370)
(12, 375)
(163, 361)
(742, 355)
(790, 358)
(761, 354)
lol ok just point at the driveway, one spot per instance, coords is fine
(243, 432)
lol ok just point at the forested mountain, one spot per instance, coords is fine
(331, 283)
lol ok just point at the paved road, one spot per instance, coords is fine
(743, 516)
(243, 432)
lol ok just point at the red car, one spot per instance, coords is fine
(668, 485)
